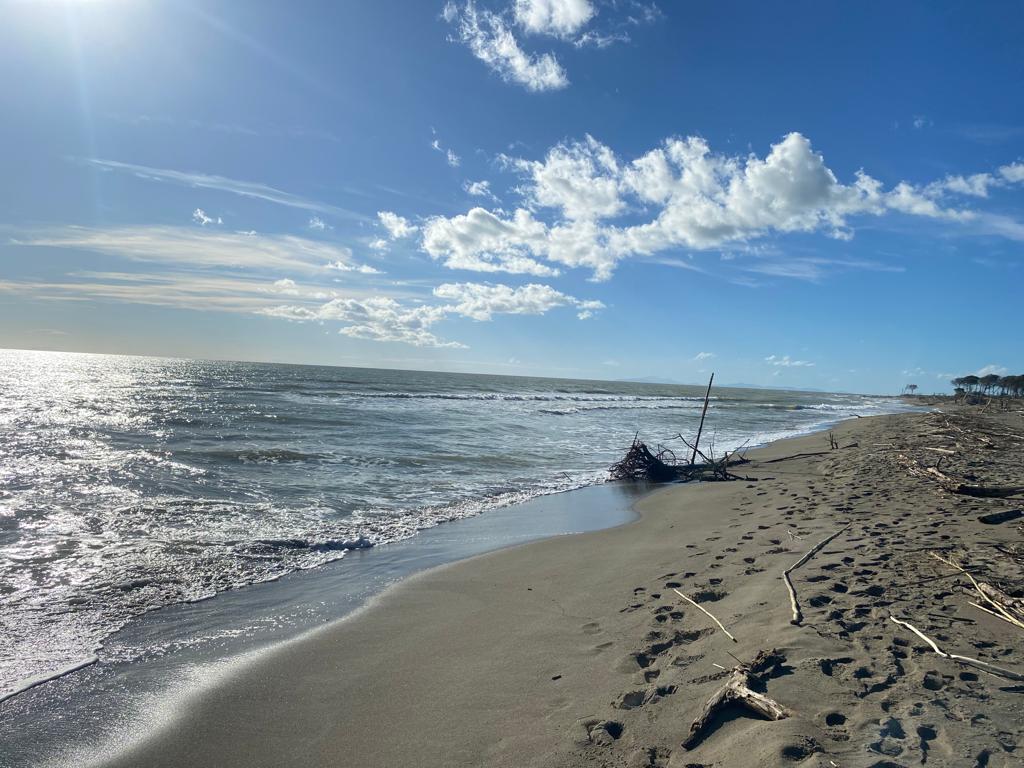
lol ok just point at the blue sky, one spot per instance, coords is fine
(817, 194)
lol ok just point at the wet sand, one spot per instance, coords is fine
(576, 651)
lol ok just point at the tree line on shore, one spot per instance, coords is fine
(989, 384)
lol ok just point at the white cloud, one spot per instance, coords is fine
(249, 189)
(480, 301)
(480, 189)
(449, 155)
(577, 200)
(703, 355)
(382, 318)
(188, 246)
(1014, 172)
(362, 269)
(285, 285)
(199, 216)
(560, 18)
(786, 362)
(315, 222)
(378, 318)
(482, 242)
(198, 291)
(582, 179)
(397, 226)
(998, 370)
(489, 38)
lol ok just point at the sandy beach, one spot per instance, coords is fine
(577, 651)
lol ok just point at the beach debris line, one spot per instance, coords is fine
(738, 691)
(662, 466)
(697, 605)
(952, 485)
(797, 615)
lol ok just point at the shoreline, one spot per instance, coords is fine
(95, 655)
(570, 651)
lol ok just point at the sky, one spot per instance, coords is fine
(792, 194)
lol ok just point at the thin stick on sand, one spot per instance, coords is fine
(711, 615)
(984, 666)
(797, 616)
(984, 590)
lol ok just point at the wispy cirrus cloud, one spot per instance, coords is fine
(785, 361)
(197, 247)
(250, 189)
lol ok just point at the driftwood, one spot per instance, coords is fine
(661, 465)
(984, 666)
(703, 413)
(738, 690)
(1000, 604)
(697, 605)
(952, 485)
(640, 463)
(797, 615)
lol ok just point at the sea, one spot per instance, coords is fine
(131, 484)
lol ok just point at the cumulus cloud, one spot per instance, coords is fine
(396, 226)
(560, 18)
(382, 318)
(199, 217)
(1014, 172)
(481, 301)
(489, 38)
(481, 241)
(315, 222)
(786, 362)
(998, 370)
(480, 189)
(582, 204)
(378, 318)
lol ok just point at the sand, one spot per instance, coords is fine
(576, 651)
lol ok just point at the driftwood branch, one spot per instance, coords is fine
(697, 605)
(738, 691)
(640, 463)
(797, 615)
(1009, 609)
(992, 669)
(952, 485)
(707, 396)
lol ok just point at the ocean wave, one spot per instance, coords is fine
(254, 455)
(515, 397)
